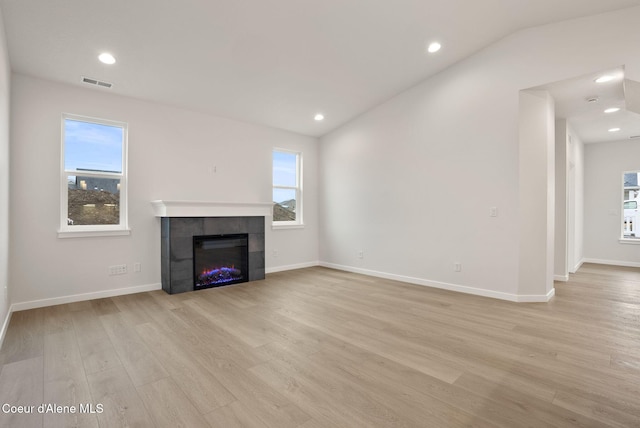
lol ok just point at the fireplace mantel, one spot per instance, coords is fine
(164, 208)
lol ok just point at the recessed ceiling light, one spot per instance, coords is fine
(614, 129)
(605, 78)
(434, 47)
(612, 110)
(319, 117)
(106, 58)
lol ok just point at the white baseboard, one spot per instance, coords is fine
(291, 267)
(5, 326)
(577, 266)
(561, 278)
(534, 298)
(444, 285)
(22, 306)
(611, 262)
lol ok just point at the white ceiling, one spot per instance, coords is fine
(582, 102)
(272, 62)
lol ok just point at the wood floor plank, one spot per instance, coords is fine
(107, 382)
(65, 382)
(501, 392)
(140, 363)
(169, 407)
(95, 347)
(104, 306)
(606, 415)
(352, 402)
(25, 336)
(21, 384)
(124, 409)
(317, 347)
(58, 319)
(235, 415)
(273, 408)
(211, 340)
(204, 391)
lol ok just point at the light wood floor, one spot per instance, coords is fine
(321, 348)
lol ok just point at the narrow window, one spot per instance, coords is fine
(93, 176)
(631, 198)
(287, 188)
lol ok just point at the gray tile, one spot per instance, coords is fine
(182, 248)
(182, 269)
(186, 227)
(256, 260)
(256, 242)
(255, 225)
(181, 286)
(177, 246)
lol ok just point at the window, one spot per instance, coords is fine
(287, 188)
(631, 197)
(93, 177)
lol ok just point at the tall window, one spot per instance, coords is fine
(631, 200)
(93, 177)
(287, 188)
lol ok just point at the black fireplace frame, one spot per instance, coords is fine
(244, 256)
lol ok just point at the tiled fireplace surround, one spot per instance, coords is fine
(179, 226)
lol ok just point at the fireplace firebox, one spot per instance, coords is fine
(220, 260)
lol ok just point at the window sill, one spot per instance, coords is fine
(92, 233)
(286, 226)
(629, 241)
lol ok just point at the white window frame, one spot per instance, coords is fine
(623, 239)
(76, 231)
(298, 222)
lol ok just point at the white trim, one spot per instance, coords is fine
(629, 241)
(5, 325)
(22, 306)
(299, 221)
(612, 262)
(164, 208)
(292, 267)
(577, 266)
(92, 233)
(444, 285)
(561, 278)
(534, 298)
(123, 221)
(276, 225)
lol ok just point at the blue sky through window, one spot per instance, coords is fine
(284, 174)
(92, 146)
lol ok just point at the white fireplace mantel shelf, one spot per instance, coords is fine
(163, 208)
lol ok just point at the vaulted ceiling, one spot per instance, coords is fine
(271, 62)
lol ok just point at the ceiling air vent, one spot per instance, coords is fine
(97, 82)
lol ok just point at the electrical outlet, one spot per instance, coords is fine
(137, 267)
(361, 254)
(275, 253)
(117, 270)
(493, 212)
(457, 267)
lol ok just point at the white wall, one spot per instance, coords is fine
(411, 181)
(536, 193)
(569, 228)
(561, 262)
(170, 152)
(4, 182)
(576, 194)
(604, 165)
